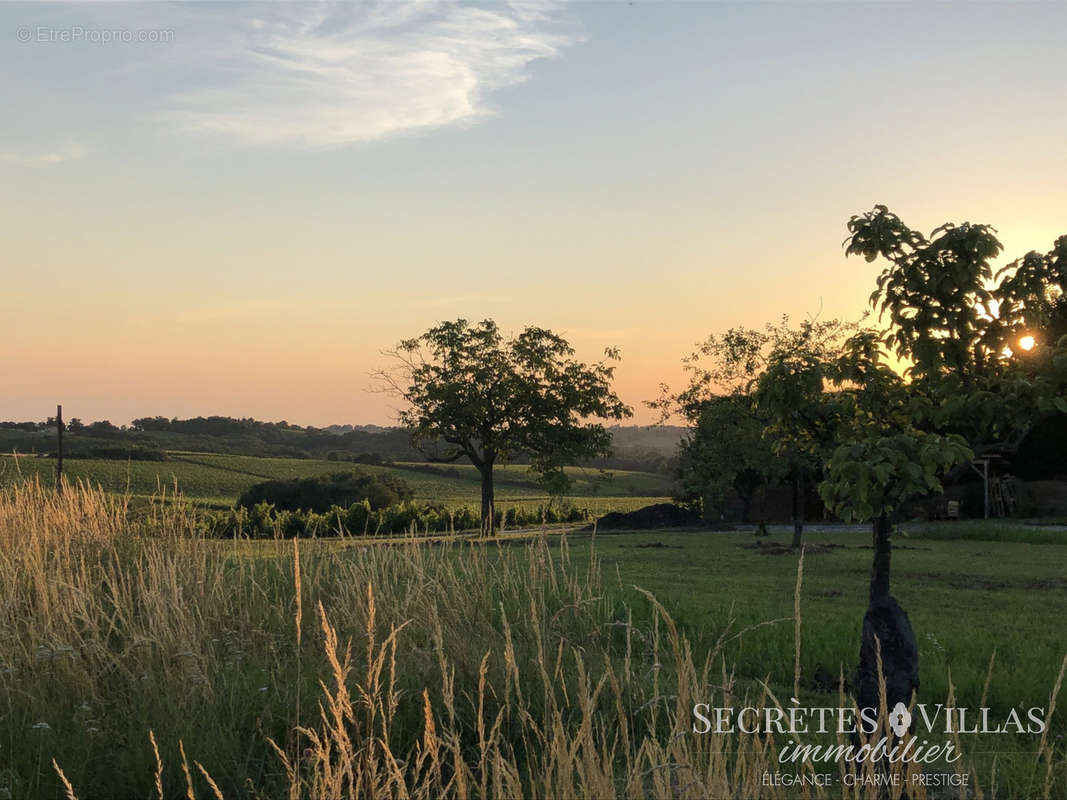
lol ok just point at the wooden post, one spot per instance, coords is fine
(59, 449)
(983, 473)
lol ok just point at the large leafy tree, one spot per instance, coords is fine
(959, 327)
(472, 392)
(791, 394)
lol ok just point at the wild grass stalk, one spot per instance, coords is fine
(460, 670)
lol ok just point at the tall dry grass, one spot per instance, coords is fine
(140, 660)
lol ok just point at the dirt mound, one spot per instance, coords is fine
(660, 515)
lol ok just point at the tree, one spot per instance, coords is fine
(868, 480)
(882, 463)
(958, 327)
(725, 449)
(935, 291)
(791, 395)
(960, 334)
(725, 452)
(773, 379)
(472, 392)
(103, 428)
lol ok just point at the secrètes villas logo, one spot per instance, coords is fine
(870, 738)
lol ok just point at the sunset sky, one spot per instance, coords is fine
(239, 220)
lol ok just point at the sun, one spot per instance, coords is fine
(1026, 342)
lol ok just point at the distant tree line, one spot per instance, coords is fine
(99, 440)
(148, 439)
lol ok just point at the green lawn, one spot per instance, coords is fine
(966, 599)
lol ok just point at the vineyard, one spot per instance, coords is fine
(214, 480)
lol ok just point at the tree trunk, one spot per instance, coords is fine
(887, 636)
(746, 506)
(883, 549)
(762, 529)
(798, 507)
(488, 508)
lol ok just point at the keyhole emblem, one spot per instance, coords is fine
(900, 719)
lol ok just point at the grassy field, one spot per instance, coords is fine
(966, 598)
(528, 669)
(215, 480)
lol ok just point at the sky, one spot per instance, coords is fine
(236, 208)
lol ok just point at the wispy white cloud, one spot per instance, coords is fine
(328, 76)
(70, 151)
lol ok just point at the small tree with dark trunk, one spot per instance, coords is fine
(756, 404)
(882, 463)
(473, 393)
(870, 480)
(791, 396)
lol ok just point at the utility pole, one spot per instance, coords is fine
(59, 449)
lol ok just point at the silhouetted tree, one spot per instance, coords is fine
(774, 382)
(957, 326)
(957, 332)
(486, 397)
(882, 463)
(791, 395)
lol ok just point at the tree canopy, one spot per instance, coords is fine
(757, 404)
(472, 392)
(960, 328)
